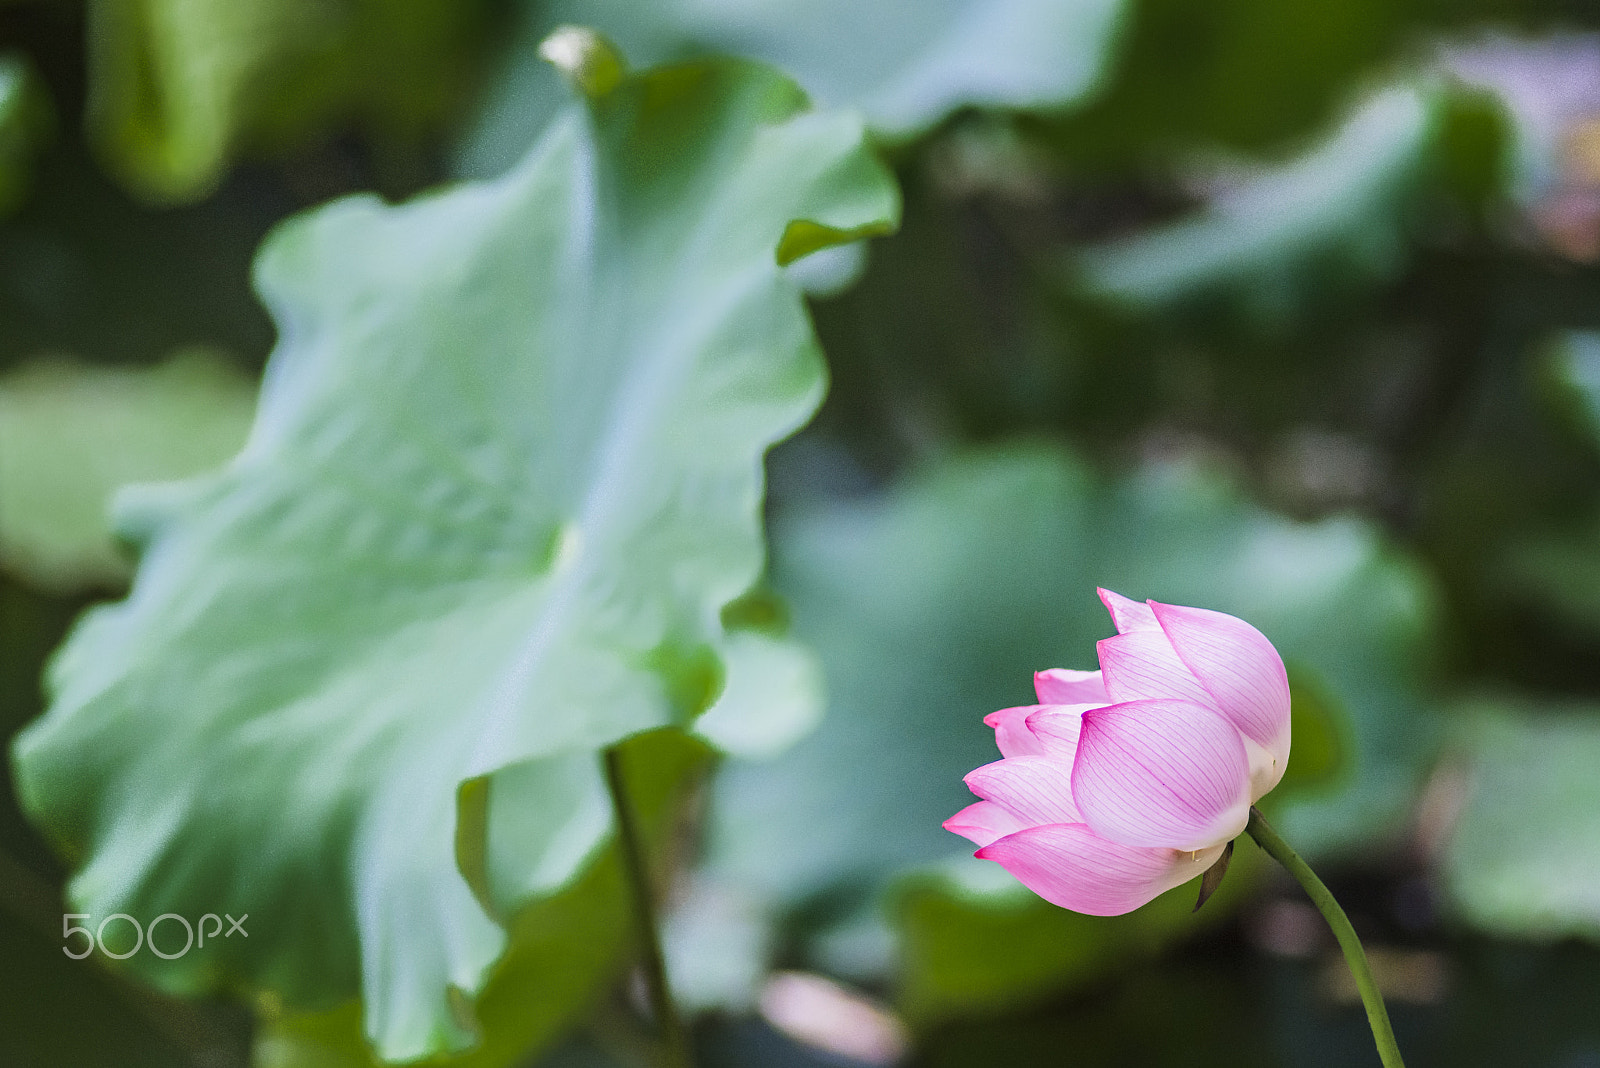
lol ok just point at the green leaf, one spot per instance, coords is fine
(504, 477)
(71, 433)
(1250, 75)
(179, 87)
(562, 951)
(1270, 235)
(906, 66)
(933, 606)
(1523, 858)
(1338, 198)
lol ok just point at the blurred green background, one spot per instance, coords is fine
(1282, 308)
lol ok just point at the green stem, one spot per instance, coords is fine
(674, 1037)
(1354, 955)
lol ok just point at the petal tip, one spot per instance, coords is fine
(1126, 613)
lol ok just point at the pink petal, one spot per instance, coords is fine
(1011, 732)
(1035, 789)
(1240, 668)
(1162, 773)
(1071, 866)
(1266, 768)
(1057, 728)
(1141, 665)
(1128, 614)
(983, 822)
(1061, 686)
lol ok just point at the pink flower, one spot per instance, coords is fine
(1123, 783)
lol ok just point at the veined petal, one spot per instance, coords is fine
(1239, 667)
(1162, 773)
(1128, 614)
(1071, 866)
(1141, 665)
(1057, 728)
(983, 822)
(1011, 731)
(1035, 789)
(1063, 686)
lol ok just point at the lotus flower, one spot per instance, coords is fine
(1123, 783)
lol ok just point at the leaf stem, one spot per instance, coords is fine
(1354, 955)
(675, 1051)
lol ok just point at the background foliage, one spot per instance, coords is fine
(1286, 309)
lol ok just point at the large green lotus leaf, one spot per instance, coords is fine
(71, 433)
(563, 949)
(1523, 858)
(1345, 209)
(933, 605)
(177, 87)
(505, 475)
(906, 66)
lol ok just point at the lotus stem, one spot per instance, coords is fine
(1354, 955)
(675, 1050)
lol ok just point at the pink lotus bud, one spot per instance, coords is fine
(1125, 782)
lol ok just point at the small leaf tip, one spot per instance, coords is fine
(586, 58)
(802, 237)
